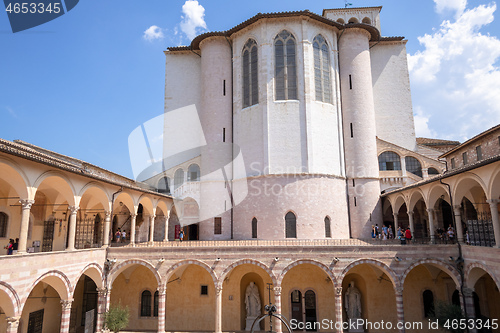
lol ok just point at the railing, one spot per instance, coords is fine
(187, 187)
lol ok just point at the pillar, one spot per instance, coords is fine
(403, 167)
(65, 315)
(167, 220)
(495, 220)
(412, 224)
(218, 309)
(425, 173)
(458, 222)
(152, 228)
(432, 231)
(162, 292)
(396, 224)
(277, 302)
(107, 226)
(338, 308)
(400, 308)
(72, 227)
(469, 305)
(101, 307)
(12, 324)
(25, 222)
(132, 228)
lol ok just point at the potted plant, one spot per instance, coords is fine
(116, 318)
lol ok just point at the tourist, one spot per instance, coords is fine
(408, 235)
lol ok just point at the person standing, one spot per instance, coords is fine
(408, 235)
(401, 236)
(181, 234)
(118, 235)
(124, 236)
(10, 247)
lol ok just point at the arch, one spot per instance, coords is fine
(285, 51)
(250, 72)
(465, 184)
(123, 265)
(436, 192)
(447, 268)
(432, 171)
(146, 299)
(93, 271)
(147, 203)
(399, 202)
(366, 20)
(413, 165)
(95, 191)
(254, 227)
(290, 225)
(12, 309)
(126, 199)
(247, 261)
(328, 227)
(172, 269)
(308, 261)
(163, 185)
(471, 279)
(162, 204)
(388, 161)
(57, 280)
(383, 267)
(415, 196)
(193, 172)
(353, 20)
(494, 185)
(340, 20)
(69, 196)
(12, 172)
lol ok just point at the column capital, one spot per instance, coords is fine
(218, 290)
(73, 209)
(66, 304)
(27, 203)
(162, 290)
(410, 213)
(430, 210)
(13, 320)
(107, 214)
(133, 216)
(152, 216)
(102, 291)
(493, 201)
(338, 291)
(457, 207)
(467, 292)
(277, 291)
(395, 215)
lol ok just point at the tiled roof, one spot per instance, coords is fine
(479, 136)
(435, 142)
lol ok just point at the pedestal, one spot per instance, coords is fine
(250, 321)
(355, 325)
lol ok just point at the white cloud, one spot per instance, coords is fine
(422, 124)
(454, 5)
(193, 19)
(456, 75)
(11, 111)
(152, 33)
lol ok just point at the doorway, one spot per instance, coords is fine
(304, 308)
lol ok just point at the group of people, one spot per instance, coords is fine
(120, 236)
(12, 246)
(384, 234)
(447, 235)
(404, 235)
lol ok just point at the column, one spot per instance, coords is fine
(430, 213)
(458, 222)
(396, 224)
(425, 173)
(496, 221)
(132, 228)
(65, 315)
(469, 305)
(218, 309)
(412, 224)
(72, 227)
(338, 308)
(400, 309)
(101, 307)
(12, 324)
(152, 228)
(107, 226)
(167, 220)
(277, 302)
(162, 292)
(25, 222)
(403, 166)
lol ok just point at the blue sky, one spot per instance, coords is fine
(80, 84)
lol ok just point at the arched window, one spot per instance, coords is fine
(428, 303)
(413, 166)
(250, 74)
(367, 20)
(353, 20)
(178, 178)
(146, 303)
(290, 225)
(432, 171)
(164, 185)
(322, 70)
(389, 161)
(285, 68)
(254, 228)
(328, 230)
(156, 303)
(3, 224)
(194, 173)
(341, 21)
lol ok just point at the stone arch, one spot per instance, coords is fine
(57, 280)
(353, 20)
(123, 265)
(366, 20)
(248, 261)
(97, 186)
(435, 193)
(414, 197)
(464, 184)
(471, 281)
(12, 309)
(54, 173)
(147, 203)
(383, 267)
(494, 185)
(20, 187)
(93, 271)
(447, 268)
(325, 268)
(398, 202)
(210, 271)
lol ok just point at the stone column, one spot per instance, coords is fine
(167, 220)
(495, 220)
(469, 305)
(400, 308)
(152, 228)
(101, 307)
(425, 173)
(72, 227)
(432, 231)
(277, 302)
(403, 166)
(396, 224)
(107, 227)
(412, 224)
(338, 307)
(218, 309)
(162, 292)
(12, 324)
(132, 228)
(25, 222)
(65, 315)
(458, 222)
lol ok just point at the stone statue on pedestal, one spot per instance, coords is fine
(352, 303)
(252, 304)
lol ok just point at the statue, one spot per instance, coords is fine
(353, 302)
(252, 304)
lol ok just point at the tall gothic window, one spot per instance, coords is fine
(322, 70)
(286, 70)
(146, 303)
(254, 228)
(250, 74)
(328, 230)
(290, 225)
(3, 224)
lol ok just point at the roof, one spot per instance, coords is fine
(477, 137)
(379, 8)
(195, 44)
(435, 142)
